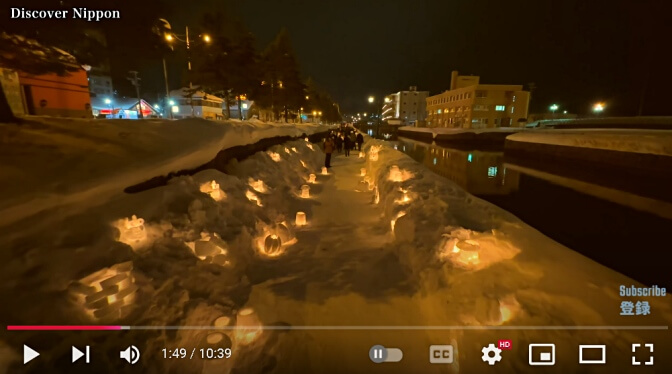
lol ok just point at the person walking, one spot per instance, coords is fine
(328, 150)
(347, 144)
(339, 142)
(360, 141)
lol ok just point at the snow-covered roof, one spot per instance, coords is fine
(35, 49)
(184, 92)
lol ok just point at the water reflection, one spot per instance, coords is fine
(478, 172)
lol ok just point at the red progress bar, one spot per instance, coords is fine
(62, 328)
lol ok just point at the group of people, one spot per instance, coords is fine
(347, 138)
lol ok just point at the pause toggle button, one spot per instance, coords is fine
(379, 354)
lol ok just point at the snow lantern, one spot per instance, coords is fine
(248, 326)
(211, 249)
(373, 156)
(305, 191)
(273, 245)
(294, 150)
(362, 154)
(287, 150)
(275, 156)
(212, 188)
(312, 178)
(108, 294)
(395, 174)
(362, 172)
(258, 185)
(252, 197)
(306, 138)
(394, 220)
(325, 171)
(311, 147)
(134, 230)
(223, 321)
(301, 219)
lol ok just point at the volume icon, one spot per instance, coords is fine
(130, 354)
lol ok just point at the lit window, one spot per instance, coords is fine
(500, 108)
(492, 171)
(512, 109)
(176, 109)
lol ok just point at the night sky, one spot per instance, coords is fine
(575, 51)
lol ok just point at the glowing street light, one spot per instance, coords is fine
(598, 108)
(169, 38)
(387, 100)
(206, 38)
(553, 108)
(371, 99)
(108, 101)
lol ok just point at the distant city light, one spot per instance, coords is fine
(387, 100)
(169, 37)
(171, 102)
(553, 108)
(598, 108)
(156, 106)
(206, 38)
(564, 112)
(108, 101)
(371, 99)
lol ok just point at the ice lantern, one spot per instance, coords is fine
(325, 171)
(301, 219)
(305, 191)
(373, 156)
(212, 188)
(311, 178)
(395, 174)
(135, 229)
(361, 154)
(362, 172)
(107, 294)
(248, 326)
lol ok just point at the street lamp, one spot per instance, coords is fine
(371, 99)
(598, 108)
(553, 108)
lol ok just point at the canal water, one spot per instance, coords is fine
(626, 233)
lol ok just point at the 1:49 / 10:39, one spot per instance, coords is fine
(205, 353)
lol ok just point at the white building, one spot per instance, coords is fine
(204, 105)
(407, 106)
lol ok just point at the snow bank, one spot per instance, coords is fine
(657, 142)
(50, 162)
(498, 269)
(454, 131)
(181, 251)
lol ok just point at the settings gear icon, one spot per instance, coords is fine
(489, 356)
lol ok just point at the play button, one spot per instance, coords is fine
(28, 354)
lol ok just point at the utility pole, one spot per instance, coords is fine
(135, 81)
(166, 107)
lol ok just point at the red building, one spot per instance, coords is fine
(53, 95)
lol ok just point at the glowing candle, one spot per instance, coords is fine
(301, 219)
(362, 172)
(311, 178)
(324, 170)
(305, 191)
(361, 154)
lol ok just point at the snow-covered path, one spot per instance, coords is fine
(343, 282)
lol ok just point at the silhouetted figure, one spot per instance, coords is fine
(348, 144)
(360, 141)
(328, 150)
(339, 143)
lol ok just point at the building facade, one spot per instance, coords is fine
(54, 95)
(204, 105)
(470, 104)
(407, 106)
